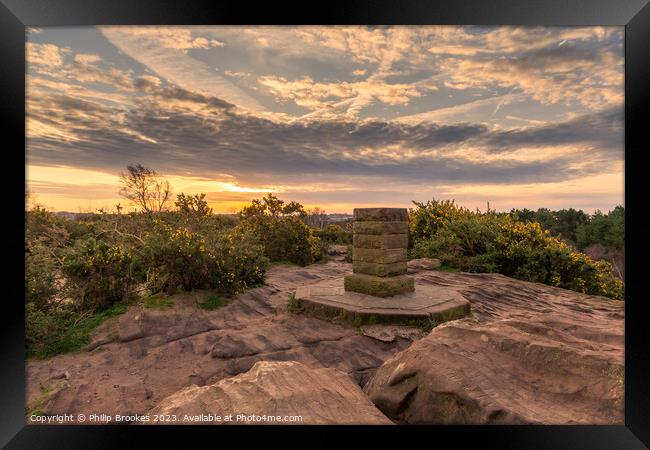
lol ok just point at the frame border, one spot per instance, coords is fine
(16, 15)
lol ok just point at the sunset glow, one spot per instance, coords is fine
(335, 117)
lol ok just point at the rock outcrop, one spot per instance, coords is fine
(529, 353)
(416, 265)
(532, 354)
(274, 393)
(137, 359)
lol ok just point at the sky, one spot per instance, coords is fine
(334, 117)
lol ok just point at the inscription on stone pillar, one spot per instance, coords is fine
(380, 240)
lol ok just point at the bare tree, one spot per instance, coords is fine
(144, 187)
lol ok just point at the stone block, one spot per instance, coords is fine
(380, 270)
(381, 241)
(379, 255)
(380, 227)
(379, 286)
(380, 215)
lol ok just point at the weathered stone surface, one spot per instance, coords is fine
(379, 270)
(374, 255)
(133, 376)
(378, 286)
(530, 354)
(144, 355)
(426, 306)
(380, 215)
(419, 264)
(319, 396)
(380, 241)
(388, 333)
(336, 249)
(380, 227)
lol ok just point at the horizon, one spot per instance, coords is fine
(334, 117)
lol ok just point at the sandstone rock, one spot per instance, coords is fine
(388, 333)
(336, 249)
(164, 351)
(419, 264)
(380, 214)
(378, 269)
(378, 255)
(379, 286)
(532, 354)
(277, 389)
(380, 227)
(380, 241)
(176, 349)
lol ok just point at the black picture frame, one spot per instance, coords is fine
(16, 15)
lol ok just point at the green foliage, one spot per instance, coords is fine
(334, 234)
(158, 301)
(283, 234)
(213, 302)
(348, 254)
(293, 305)
(574, 226)
(62, 330)
(491, 242)
(193, 206)
(228, 260)
(272, 206)
(604, 229)
(99, 274)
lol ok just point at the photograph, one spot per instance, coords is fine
(325, 224)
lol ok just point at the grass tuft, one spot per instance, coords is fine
(158, 302)
(213, 302)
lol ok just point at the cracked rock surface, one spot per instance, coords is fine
(281, 389)
(137, 359)
(530, 354)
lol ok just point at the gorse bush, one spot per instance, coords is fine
(99, 274)
(335, 234)
(174, 257)
(492, 242)
(236, 261)
(283, 234)
(227, 260)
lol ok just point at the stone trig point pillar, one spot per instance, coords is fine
(380, 241)
(379, 291)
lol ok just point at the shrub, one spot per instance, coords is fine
(236, 261)
(44, 329)
(334, 234)
(492, 242)
(61, 329)
(41, 276)
(348, 253)
(283, 234)
(228, 260)
(99, 274)
(173, 257)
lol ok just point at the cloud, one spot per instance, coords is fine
(48, 55)
(480, 109)
(164, 51)
(603, 130)
(87, 58)
(326, 96)
(184, 118)
(215, 138)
